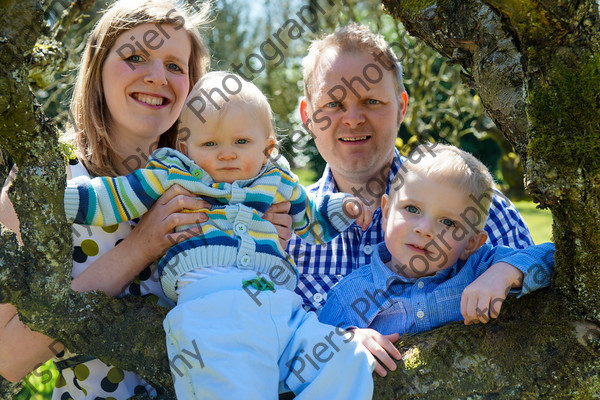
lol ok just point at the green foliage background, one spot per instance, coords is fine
(441, 107)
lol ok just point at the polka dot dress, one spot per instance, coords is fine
(95, 380)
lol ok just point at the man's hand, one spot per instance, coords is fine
(381, 346)
(483, 298)
(278, 215)
(355, 208)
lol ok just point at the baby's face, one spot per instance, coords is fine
(425, 226)
(231, 147)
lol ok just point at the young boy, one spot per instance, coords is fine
(222, 277)
(433, 267)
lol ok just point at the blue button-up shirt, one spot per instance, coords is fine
(375, 297)
(322, 266)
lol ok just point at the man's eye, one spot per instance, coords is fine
(373, 102)
(448, 222)
(332, 104)
(412, 209)
(241, 141)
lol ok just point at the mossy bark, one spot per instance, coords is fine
(536, 67)
(36, 276)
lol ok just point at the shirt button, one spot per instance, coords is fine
(240, 228)
(197, 172)
(318, 297)
(420, 314)
(420, 284)
(368, 249)
(245, 260)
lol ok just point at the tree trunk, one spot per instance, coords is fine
(36, 277)
(536, 67)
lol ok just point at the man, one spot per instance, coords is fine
(354, 104)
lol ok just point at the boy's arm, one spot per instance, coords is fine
(528, 269)
(104, 201)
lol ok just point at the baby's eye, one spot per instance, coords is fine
(412, 209)
(448, 222)
(134, 58)
(209, 144)
(174, 67)
(241, 141)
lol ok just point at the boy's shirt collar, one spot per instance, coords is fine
(383, 276)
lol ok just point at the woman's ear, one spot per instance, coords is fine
(475, 242)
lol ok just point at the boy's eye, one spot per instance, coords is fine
(134, 58)
(412, 209)
(241, 141)
(448, 222)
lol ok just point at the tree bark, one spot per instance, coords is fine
(36, 277)
(535, 65)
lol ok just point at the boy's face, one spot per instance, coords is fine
(229, 146)
(425, 227)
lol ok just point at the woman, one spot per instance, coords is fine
(139, 64)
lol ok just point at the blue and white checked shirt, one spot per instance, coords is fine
(322, 266)
(375, 297)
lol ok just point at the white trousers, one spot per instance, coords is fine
(226, 342)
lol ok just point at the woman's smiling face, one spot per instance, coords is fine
(146, 81)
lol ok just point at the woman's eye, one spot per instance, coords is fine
(134, 58)
(241, 141)
(412, 209)
(448, 222)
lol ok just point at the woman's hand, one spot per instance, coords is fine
(148, 241)
(278, 215)
(155, 233)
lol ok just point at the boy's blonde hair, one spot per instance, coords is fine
(351, 38)
(91, 118)
(217, 91)
(451, 165)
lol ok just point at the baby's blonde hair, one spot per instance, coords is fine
(217, 91)
(451, 165)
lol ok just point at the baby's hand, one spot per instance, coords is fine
(483, 298)
(355, 208)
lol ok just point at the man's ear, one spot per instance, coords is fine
(304, 111)
(475, 242)
(403, 105)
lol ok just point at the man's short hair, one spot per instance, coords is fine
(348, 39)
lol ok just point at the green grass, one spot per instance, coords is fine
(538, 221)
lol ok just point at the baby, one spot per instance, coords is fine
(234, 283)
(433, 266)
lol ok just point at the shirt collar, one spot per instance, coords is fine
(383, 276)
(327, 183)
